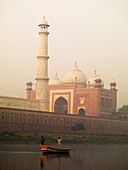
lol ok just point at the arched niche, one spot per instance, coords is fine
(61, 105)
(81, 112)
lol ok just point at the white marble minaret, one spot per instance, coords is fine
(42, 68)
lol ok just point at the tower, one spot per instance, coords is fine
(29, 89)
(42, 67)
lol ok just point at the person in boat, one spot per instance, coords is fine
(42, 140)
(59, 141)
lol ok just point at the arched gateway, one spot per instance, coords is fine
(61, 105)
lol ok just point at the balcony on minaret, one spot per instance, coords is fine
(43, 25)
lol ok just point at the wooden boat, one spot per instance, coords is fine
(50, 150)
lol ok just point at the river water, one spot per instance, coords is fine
(82, 157)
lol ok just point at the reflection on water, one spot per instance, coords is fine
(19, 161)
(55, 160)
(81, 158)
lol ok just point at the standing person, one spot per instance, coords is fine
(59, 141)
(42, 140)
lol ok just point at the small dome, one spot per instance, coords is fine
(95, 79)
(75, 75)
(113, 82)
(43, 22)
(113, 85)
(55, 80)
(29, 83)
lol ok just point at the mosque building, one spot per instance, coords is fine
(56, 105)
(75, 94)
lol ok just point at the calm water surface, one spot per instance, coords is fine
(82, 157)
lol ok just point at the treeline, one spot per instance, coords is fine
(51, 138)
(124, 108)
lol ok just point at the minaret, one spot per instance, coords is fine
(42, 69)
(29, 89)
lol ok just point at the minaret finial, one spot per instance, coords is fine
(56, 74)
(75, 64)
(95, 71)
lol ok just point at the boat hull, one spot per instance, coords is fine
(50, 150)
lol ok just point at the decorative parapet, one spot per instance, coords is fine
(19, 103)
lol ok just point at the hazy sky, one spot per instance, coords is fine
(92, 33)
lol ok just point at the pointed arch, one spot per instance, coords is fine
(81, 112)
(61, 105)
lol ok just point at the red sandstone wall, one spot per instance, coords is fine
(31, 94)
(36, 121)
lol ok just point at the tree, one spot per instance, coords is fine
(124, 108)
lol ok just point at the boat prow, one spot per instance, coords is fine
(50, 150)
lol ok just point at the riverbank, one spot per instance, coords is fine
(51, 138)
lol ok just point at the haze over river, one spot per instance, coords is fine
(82, 157)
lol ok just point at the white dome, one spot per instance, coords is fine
(55, 81)
(75, 75)
(93, 79)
